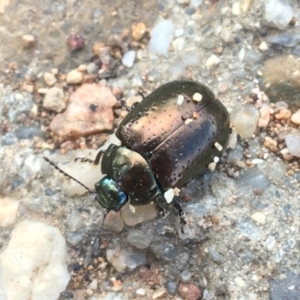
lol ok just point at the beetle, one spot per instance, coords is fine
(168, 139)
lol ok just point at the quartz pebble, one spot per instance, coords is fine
(49, 78)
(213, 60)
(270, 242)
(114, 222)
(74, 77)
(245, 119)
(277, 13)
(55, 99)
(259, 217)
(34, 246)
(142, 213)
(141, 292)
(263, 46)
(296, 117)
(112, 296)
(161, 37)
(8, 212)
(125, 259)
(128, 58)
(292, 141)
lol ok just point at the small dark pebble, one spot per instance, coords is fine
(169, 253)
(277, 194)
(16, 182)
(171, 287)
(93, 107)
(66, 295)
(50, 192)
(75, 42)
(28, 132)
(76, 267)
(190, 11)
(257, 204)
(191, 31)
(237, 39)
(9, 139)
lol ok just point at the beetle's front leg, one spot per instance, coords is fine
(177, 205)
(94, 161)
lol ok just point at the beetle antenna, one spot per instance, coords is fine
(55, 166)
(94, 239)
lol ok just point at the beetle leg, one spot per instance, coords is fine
(141, 94)
(98, 157)
(161, 210)
(93, 161)
(124, 104)
(84, 159)
(177, 205)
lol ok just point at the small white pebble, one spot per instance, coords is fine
(169, 195)
(74, 77)
(257, 161)
(242, 54)
(218, 146)
(263, 46)
(212, 61)
(89, 292)
(259, 217)
(188, 121)
(176, 191)
(132, 208)
(212, 166)
(197, 97)
(49, 78)
(236, 9)
(296, 117)
(141, 292)
(128, 58)
(43, 91)
(285, 151)
(216, 159)
(180, 99)
(239, 281)
(93, 285)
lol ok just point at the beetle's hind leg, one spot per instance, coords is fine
(177, 205)
(161, 210)
(93, 161)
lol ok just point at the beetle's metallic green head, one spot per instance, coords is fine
(109, 194)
